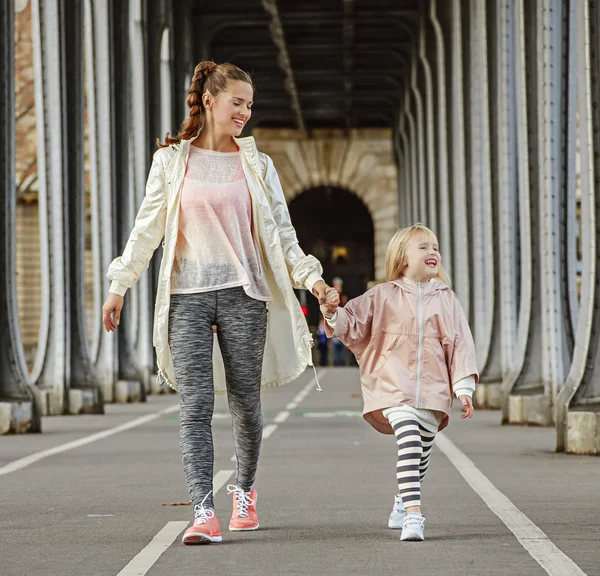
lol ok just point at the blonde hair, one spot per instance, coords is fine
(396, 252)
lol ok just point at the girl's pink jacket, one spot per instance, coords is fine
(412, 342)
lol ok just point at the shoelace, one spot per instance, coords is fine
(202, 514)
(418, 521)
(398, 506)
(243, 500)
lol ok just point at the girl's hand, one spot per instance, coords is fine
(113, 304)
(467, 411)
(332, 301)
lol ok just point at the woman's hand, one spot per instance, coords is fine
(467, 411)
(113, 304)
(319, 289)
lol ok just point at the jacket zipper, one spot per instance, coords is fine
(420, 344)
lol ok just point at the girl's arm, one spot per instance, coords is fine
(147, 232)
(465, 386)
(463, 363)
(352, 323)
(304, 270)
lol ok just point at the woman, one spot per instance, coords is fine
(231, 259)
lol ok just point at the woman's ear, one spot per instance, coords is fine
(207, 100)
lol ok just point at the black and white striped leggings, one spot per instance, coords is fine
(414, 449)
(241, 330)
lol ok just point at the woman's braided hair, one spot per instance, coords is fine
(210, 77)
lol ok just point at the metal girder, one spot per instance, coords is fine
(429, 131)
(98, 30)
(516, 314)
(14, 386)
(480, 195)
(213, 24)
(80, 371)
(420, 135)
(460, 256)
(581, 389)
(551, 184)
(301, 17)
(442, 139)
(348, 59)
(143, 300)
(278, 36)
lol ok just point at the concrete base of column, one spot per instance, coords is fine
(49, 402)
(16, 417)
(583, 432)
(128, 391)
(83, 402)
(488, 396)
(532, 409)
(108, 390)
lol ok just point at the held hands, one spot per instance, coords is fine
(319, 290)
(467, 411)
(113, 304)
(332, 301)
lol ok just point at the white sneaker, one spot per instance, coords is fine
(398, 514)
(413, 527)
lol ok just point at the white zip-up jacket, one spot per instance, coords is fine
(289, 342)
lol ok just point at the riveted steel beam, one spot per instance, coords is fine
(442, 138)
(480, 193)
(15, 392)
(278, 36)
(429, 128)
(348, 59)
(462, 275)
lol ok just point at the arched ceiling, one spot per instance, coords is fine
(315, 63)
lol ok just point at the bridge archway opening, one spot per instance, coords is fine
(336, 227)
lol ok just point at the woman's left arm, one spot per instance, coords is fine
(304, 270)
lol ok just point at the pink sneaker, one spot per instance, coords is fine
(206, 528)
(244, 515)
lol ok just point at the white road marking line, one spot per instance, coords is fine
(36, 457)
(268, 430)
(140, 565)
(337, 414)
(546, 554)
(151, 553)
(221, 478)
(281, 417)
(284, 415)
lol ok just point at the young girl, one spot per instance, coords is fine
(414, 347)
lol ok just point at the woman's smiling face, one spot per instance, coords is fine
(232, 108)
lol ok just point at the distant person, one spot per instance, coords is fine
(322, 343)
(339, 350)
(414, 347)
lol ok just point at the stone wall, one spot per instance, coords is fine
(358, 160)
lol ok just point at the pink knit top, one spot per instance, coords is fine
(216, 248)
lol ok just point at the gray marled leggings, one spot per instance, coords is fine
(241, 329)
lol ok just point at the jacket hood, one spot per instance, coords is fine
(411, 287)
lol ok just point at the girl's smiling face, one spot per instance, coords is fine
(422, 259)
